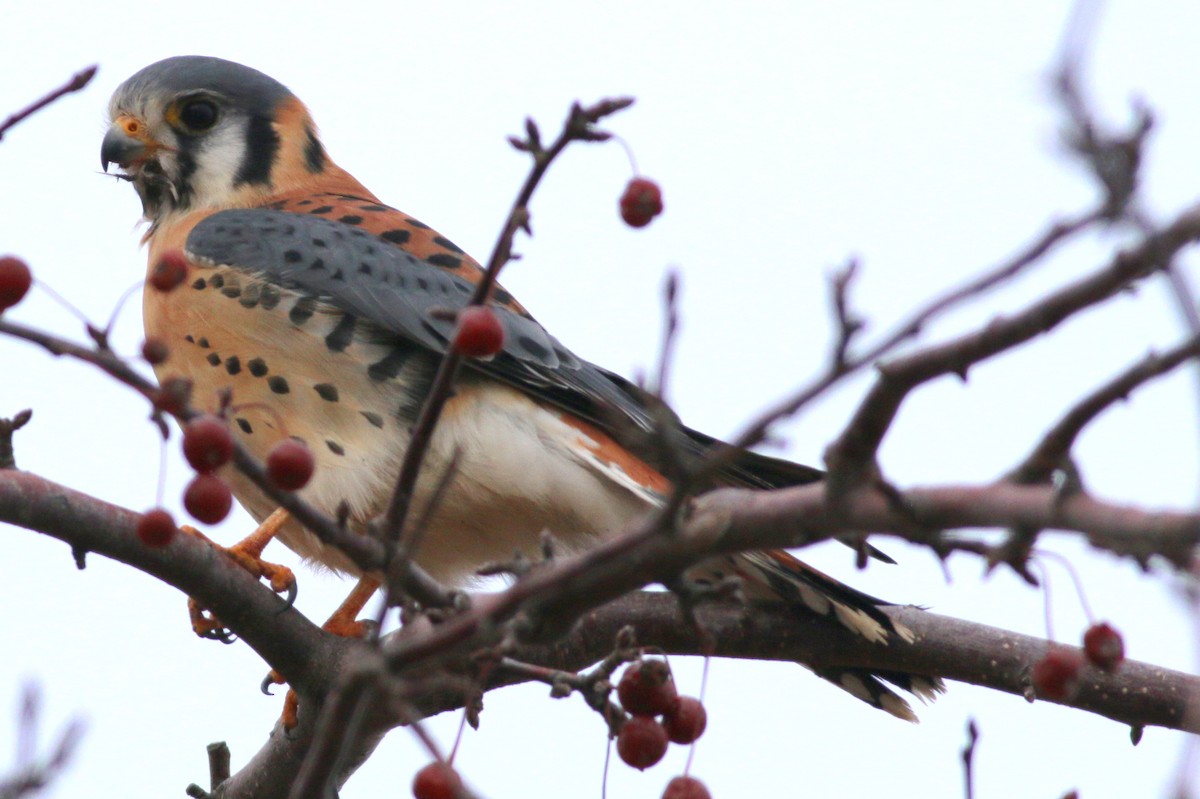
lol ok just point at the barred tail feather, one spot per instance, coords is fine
(867, 686)
(776, 575)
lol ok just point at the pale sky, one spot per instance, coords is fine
(787, 137)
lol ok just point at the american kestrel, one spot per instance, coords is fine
(309, 301)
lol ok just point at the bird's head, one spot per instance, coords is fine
(195, 132)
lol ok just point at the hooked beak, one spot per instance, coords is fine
(126, 142)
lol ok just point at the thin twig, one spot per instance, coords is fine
(77, 82)
(1058, 233)
(577, 127)
(857, 444)
(1055, 446)
(968, 759)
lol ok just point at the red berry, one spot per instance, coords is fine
(642, 742)
(156, 528)
(207, 498)
(169, 271)
(646, 688)
(479, 333)
(641, 202)
(173, 395)
(155, 351)
(207, 444)
(15, 280)
(1103, 646)
(685, 722)
(437, 781)
(1056, 675)
(290, 465)
(686, 788)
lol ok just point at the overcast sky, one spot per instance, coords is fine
(787, 138)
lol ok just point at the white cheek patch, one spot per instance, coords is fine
(218, 158)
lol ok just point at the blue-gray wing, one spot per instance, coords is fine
(405, 299)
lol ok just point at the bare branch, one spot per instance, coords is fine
(1055, 446)
(77, 82)
(579, 126)
(855, 448)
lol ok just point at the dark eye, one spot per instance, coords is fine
(198, 115)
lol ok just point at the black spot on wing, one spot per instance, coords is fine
(387, 296)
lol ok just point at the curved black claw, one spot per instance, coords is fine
(222, 634)
(265, 685)
(292, 592)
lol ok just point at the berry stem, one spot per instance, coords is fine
(116, 311)
(687, 767)
(1045, 574)
(628, 153)
(1066, 564)
(66, 304)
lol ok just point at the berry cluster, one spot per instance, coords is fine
(1056, 675)
(646, 691)
(207, 446)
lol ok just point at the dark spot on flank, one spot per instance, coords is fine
(199, 284)
(397, 236)
(302, 310)
(249, 297)
(216, 281)
(233, 365)
(324, 209)
(390, 365)
(245, 425)
(326, 391)
(335, 447)
(351, 219)
(292, 256)
(257, 367)
(445, 242)
(213, 359)
(278, 384)
(373, 418)
(342, 334)
(268, 296)
(417, 224)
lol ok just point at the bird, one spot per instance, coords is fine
(313, 310)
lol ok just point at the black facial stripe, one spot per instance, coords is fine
(314, 153)
(262, 145)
